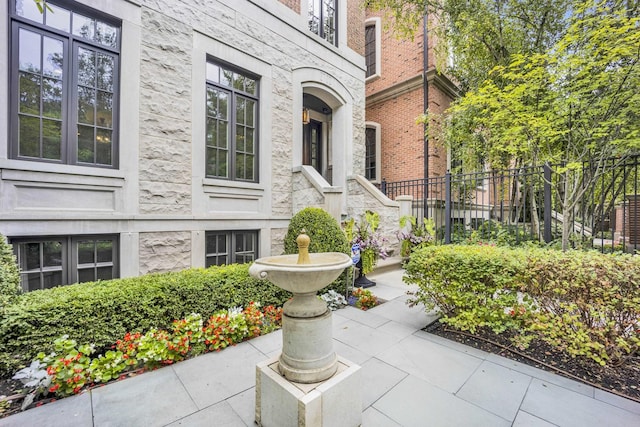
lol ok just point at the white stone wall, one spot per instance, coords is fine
(159, 201)
(364, 196)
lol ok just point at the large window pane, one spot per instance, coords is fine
(52, 98)
(29, 91)
(52, 51)
(58, 18)
(103, 146)
(52, 254)
(231, 139)
(84, 26)
(104, 250)
(29, 136)
(30, 259)
(86, 105)
(29, 10)
(104, 273)
(51, 139)
(106, 34)
(86, 67)
(86, 144)
(86, 252)
(104, 108)
(44, 78)
(105, 68)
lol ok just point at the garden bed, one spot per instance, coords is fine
(623, 380)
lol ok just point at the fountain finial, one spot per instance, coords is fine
(303, 247)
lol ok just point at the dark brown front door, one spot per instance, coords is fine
(312, 145)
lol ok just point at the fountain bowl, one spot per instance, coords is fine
(284, 271)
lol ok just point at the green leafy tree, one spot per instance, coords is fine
(576, 102)
(480, 34)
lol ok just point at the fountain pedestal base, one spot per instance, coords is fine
(333, 402)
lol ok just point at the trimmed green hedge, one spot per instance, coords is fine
(585, 303)
(325, 235)
(9, 274)
(102, 312)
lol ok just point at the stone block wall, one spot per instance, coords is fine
(364, 197)
(165, 115)
(167, 251)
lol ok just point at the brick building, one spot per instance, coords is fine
(401, 84)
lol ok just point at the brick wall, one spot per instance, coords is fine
(399, 61)
(355, 25)
(292, 4)
(438, 103)
(402, 139)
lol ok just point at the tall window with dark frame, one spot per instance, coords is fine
(370, 154)
(370, 49)
(229, 247)
(232, 124)
(62, 260)
(64, 84)
(323, 19)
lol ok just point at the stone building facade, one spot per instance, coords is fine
(400, 87)
(197, 150)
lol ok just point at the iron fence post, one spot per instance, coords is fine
(447, 208)
(547, 203)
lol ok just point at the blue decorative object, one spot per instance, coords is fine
(355, 253)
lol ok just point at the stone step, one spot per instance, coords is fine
(386, 265)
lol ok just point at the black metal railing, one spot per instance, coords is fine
(529, 203)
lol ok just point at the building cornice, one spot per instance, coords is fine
(443, 83)
(395, 90)
(433, 77)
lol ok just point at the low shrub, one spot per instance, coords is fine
(471, 285)
(589, 302)
(102, 312)
(585, 303)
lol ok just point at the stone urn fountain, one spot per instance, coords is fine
(307, 384)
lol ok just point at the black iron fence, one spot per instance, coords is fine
(598, 204)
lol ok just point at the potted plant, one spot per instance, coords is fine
(364, 234)
(413, 235)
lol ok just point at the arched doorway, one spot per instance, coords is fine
(316, 136)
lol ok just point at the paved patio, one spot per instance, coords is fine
(409, 378)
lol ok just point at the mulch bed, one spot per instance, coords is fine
(622, 380)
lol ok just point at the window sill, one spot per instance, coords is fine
(21, 170)
(210, 185)
(372, 78)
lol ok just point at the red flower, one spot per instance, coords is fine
(53, 388)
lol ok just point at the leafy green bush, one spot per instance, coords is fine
(585, 303)
(102, 312)
(589, 302)
(471, 285)
(9, 274)
(326, 236)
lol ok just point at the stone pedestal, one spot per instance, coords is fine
(333, 402)
(307, 348)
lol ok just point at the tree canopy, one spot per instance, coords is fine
(480, 34)
(552, 82)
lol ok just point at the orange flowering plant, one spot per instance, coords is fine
(70, 368)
